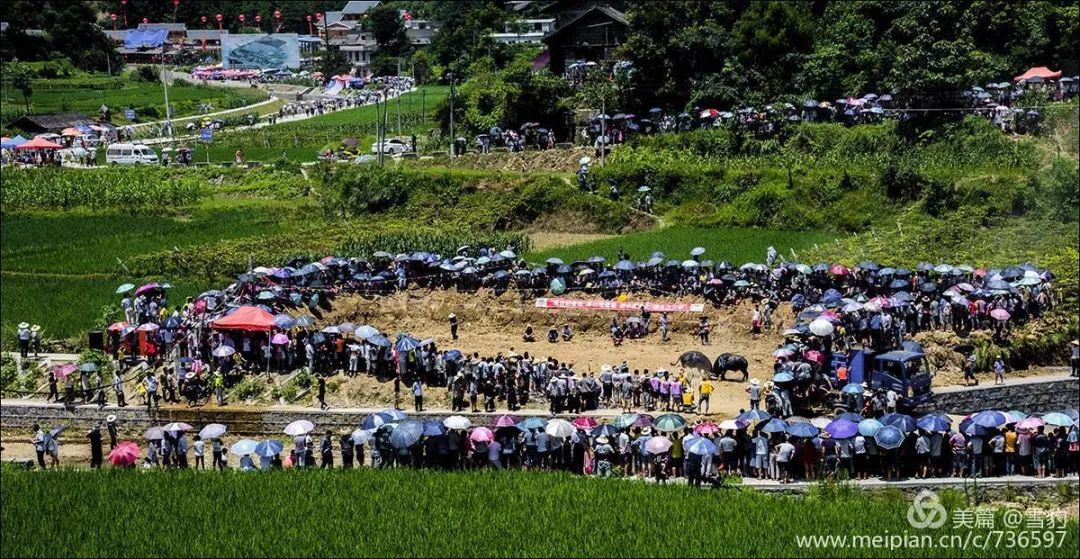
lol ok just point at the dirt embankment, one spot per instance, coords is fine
(550, 161)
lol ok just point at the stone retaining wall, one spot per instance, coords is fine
(1032, 397)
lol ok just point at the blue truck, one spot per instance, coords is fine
(904, 371)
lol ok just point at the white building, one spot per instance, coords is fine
(525, 31)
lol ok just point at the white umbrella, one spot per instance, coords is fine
(177, 426)
(212, 431)
(457, 422)
(224, 351)
(820, 422)
(243, 447)
(361, 437)
(821, 327)
(560, 428)
(299, 427)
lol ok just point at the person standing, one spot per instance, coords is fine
(326, 449)
(219, 387)
(703, 330)
(346, 451)
(218, 454)
(999, 371)
(969, 369)
(665, 326)
(24, 340)
(785, 452)
(418, 395)
(110, 423)
(754, 390)
(453, 326)
(322, 393)
(54, 392)
(603, 452)
(94, 435)
(151, 385)
(39, 444)
(118, 388)
(704, 391)
(200, 449)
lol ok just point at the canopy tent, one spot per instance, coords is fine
(246, 318)
(1038, 72)
(145, 38)
(39, 143)
(9, 143)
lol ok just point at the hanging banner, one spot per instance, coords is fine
(618, 306)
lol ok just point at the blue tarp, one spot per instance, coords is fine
(145, 38)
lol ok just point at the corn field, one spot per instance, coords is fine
(129, 189)
(414, 513)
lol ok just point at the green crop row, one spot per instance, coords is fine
(416, 513)
(130, 190)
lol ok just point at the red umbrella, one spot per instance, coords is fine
(125, 454)
(118, 326)
(710, 113)
(39, 143)
(838, 270)
(585, 422)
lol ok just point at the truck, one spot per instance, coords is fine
(903, 371)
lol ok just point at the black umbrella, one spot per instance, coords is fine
(696, 360)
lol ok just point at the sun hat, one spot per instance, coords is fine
(190, 375)
(755, 381)
(646, 431)
(23, 325)
(35, 328)
(602, 439)
(111, 418)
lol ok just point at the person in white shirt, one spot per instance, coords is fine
(785, 452)
(200, 450)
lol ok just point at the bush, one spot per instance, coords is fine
(249, 388)
(147, 73)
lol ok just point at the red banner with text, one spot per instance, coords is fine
(618, 306)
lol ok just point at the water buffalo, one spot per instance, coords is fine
(730, 362)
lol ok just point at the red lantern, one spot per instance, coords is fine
(241, 18)
(112, 17)
(146, 20)
(176, 3)
(258, 18)
(219, 17)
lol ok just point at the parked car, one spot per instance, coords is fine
(391, 146)
(130, 154)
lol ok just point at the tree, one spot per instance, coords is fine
(421, 66)
(20, 78)
(386, 24)
(333, 63)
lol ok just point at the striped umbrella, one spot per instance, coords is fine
(625, 420)
(670, 422)
(505, 421)
(698, 445)
(605, 430)
(407, 433)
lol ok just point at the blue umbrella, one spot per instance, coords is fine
(700, 446)
(394, 414)
(889, 437)
(842, 428)
(285, 322)
(451, 355)
(804, 430)
(869, 427)
(266, 296)
(852, 388)
(269, 449)
(379, 340)
(434, 428)
(125, 288)
(605, 430)
(624, 265)
(532, 423)
(850, 416)
(754, 415)
(934, 423)
(901, 421)
(969, 428)
(243, 447)
(406, 342)
(305, 321)
(783, 377)
(774, 426)
(407, 433)
(171, 323)
(898, 284)
(989, 419)
(364, 332)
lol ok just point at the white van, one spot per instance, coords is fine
(130, 154)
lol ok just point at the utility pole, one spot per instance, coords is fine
(399, 114)
(165, 86)
(423, 105)
(603, 129)
(452, 141)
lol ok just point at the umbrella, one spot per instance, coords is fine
(154, 434)
(360, 437)
(1057, 419)
(697, 445)
(869, 427)
(852, 388)
(267, 449)
(658, 445)
(279, 339)
(670, 422)
(901, 421)
(1030, 423)
(305, 321)
(605, 430)
(754, 415)
(177, 426)
(696, 360)
(433, 428)
(88, 367)
(483, 435)
(379, 340)
(732, 424)
(406, 343)
(212, 431)
(774, 426)
(124, 289)
(530, 423)
(1000, 314)
(804, 430)
(224, 351)
(244, 447)
(783, 376)
(889, 437)
(585, 422)
(821, 327)
(393, 414)
(505, 421)
(624, 421)
(708, 428)
(407, 433)
(364, 332)
(990, 419)
(934, 423)
(457, 422)
(850, 416)
(148, 287)
(644, 420)
(842, 428)
(299, 427)
(125, 454)
(560, 428)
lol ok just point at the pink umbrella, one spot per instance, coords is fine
(1030, 424)
(148, 327)
(815, 356)
(279, 339)
(882, 302)
(1000, 314)
(125, 454)
(148, 287)
(62, 371)
(707, 428)
(838, 270)
(658, 445)
(505, 421)
(585, 422)
(481, 435)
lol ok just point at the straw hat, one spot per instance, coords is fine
(605, 368)
(646, 431)
(602, 439)
(35, 328)
(755, 381)
(111, 418)
(24, 325)
(190, 375)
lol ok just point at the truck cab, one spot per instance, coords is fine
(905, 372)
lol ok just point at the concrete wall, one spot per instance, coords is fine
(1038, 396)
